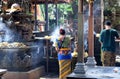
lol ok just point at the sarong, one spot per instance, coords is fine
(64, 68)
(108, 58)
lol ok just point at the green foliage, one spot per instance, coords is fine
(43, 10)
(107, 13)
(112, 11)
(64, 10)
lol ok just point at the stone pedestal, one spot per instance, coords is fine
(91, 61)
(80, 68)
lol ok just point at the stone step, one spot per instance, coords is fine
(32, 74)
(50, 76)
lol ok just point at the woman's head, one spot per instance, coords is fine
(62, 32)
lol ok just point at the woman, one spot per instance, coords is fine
(64, 56)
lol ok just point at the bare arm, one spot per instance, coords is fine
(57, 49)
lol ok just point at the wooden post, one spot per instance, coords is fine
(35, 23)
(80, 32)
(46, 16)
(56, 14)
(91, 60)
(79, 69)
(102, 14)
(90, 31)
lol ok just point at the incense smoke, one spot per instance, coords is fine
(5, 33)
(55, 35)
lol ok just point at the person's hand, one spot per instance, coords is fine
(117, 39)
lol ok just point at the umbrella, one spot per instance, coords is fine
(46, 2)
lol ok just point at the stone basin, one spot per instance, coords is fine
(17, 58)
